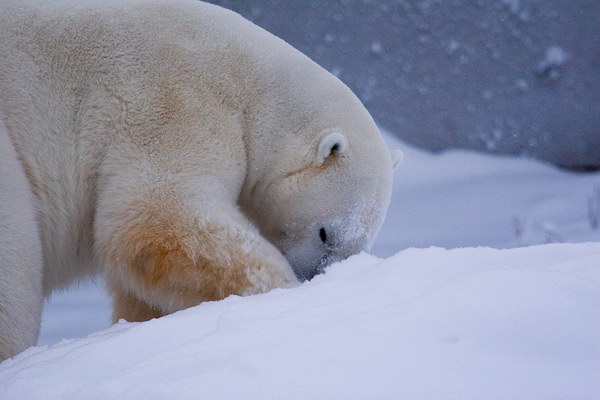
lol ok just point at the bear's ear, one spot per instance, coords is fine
(333, 144)
(397, 157)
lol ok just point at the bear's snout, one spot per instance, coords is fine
(330, 243)
(342, 238)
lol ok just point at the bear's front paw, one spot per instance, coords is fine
(269, 275)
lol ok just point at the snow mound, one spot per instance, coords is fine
(471, 323)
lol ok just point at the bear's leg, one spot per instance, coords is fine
(166, 244)
(128, 307)
(21, 297)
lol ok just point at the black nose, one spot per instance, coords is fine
(323, 235)
(331, 238)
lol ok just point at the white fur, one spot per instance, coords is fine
(20, 256)
(175, 116)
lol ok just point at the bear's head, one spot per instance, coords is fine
(319, 175)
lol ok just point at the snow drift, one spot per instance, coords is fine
(426, 323)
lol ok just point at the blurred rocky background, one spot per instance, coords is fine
(506, 76)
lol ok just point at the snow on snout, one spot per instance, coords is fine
(358, 228)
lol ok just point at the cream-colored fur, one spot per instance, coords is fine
(177, 147)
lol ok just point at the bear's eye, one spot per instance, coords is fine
(334, 144)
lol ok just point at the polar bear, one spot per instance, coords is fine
(177, 148)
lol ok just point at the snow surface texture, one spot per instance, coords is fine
(461, 198)
(503, 76)
(431, 323)
(425, 323)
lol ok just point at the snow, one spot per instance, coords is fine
(461, 199)
(376, 48)
(556, 55)
(425, 323)
(414, 321)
